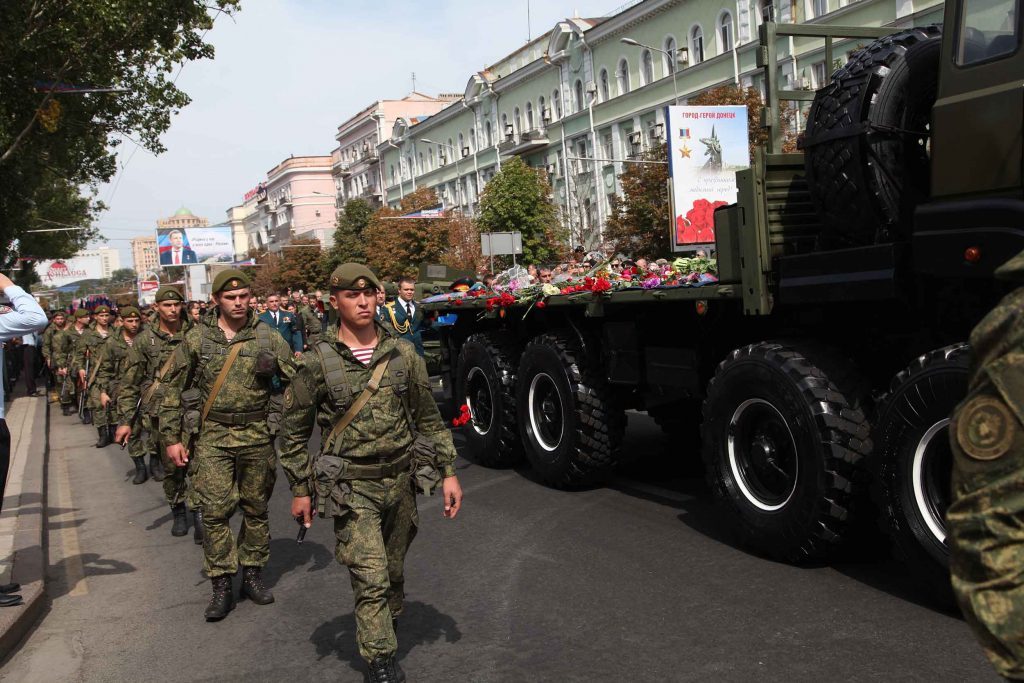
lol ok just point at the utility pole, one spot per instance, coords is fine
(414, 81)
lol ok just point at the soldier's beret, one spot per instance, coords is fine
(391, 289)
(229, 280)
(60, 313)
(353, 276)
(129, 312)
(82, 313)
(168, 293)
(101, 309)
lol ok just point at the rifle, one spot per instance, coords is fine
(302, 527)
(67, 374)
(85, 389)
(134, 420)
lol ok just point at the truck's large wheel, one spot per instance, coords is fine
(866, 142)
(569, 419)
(912, 461)
(784, 434)
(485, 381)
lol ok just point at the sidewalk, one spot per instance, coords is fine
(22, 553)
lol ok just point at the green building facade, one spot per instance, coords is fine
(580, 103)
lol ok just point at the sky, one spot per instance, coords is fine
(287, 72)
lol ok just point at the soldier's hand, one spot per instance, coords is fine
(122, 434)
(302, 510)
(177, 454)
(452, 492)
(61, 372)
(104, 399)
(298, 354)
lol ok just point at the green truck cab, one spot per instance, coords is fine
(819, 372)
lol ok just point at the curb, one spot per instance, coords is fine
(27, 494)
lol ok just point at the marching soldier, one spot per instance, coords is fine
(369, 392)
(221, 398)
(139, 403)
(66, 347)
(311, 327)
(110, 374)
(986, 538)
(50, 351)
(89, 352)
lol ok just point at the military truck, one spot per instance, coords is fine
(822, 367)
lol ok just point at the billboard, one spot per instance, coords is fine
(62, 272)
(190, 246)
(706, 146)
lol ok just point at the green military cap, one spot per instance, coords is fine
(82, 313)
(353, 276)
(391, 289)
(168, 293)
(228, 280)
(101, 309)
(1012, 269)
(129, 312)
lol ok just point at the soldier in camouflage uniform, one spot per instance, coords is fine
(233, 455)
(110, 370)
(64, 351)
(364, 475)
(140, 401)
(311, 327)
(90, 348)
(986, 537)
(49, 349)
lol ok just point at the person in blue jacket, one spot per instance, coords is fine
(284, 322)
(405, 315)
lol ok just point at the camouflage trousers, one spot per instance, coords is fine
(224, 479)
(100, 417)
(147, 442)
(986, 537)
(373, 537)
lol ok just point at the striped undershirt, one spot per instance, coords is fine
(363, 355)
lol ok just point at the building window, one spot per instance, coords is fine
(725, 32)
(608, 143)
(472, 140)
(819, 75)
(697, 44)
(529, 116)
(517, 123)
(580, 103)
(545, 116)
(605, 90)
(671, 58)
(622, 77)
(452, 150)
(430, 153)
(488, 134)
(504, 133)
(646, 68)
(556, 104)
(462, 143)
(819, 8)
(422, 167)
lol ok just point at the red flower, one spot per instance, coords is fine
(463, 408)
(507, 299)
(601, 285)
(458, 302)
(541, 304)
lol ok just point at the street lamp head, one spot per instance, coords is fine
(629, 41)
(426, 141)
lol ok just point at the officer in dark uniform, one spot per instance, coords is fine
(284, 322)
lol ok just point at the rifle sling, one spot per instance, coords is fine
(148, 393)
(96, 368)
(219, 381)
(371, 388)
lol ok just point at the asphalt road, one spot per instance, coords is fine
(634, 581)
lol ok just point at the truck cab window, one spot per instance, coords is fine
(988, 29)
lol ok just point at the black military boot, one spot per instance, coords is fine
(104, 439)
(197, 526)
(253, 588)
(140, 470)
(180, 526)
(385, 670)
(87, 417)
(111, 432)
(222, 601)
(66, 409)
(156, 467)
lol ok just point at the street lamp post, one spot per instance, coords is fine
(458, 173)
(671, 54)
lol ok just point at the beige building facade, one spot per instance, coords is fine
(144, 255)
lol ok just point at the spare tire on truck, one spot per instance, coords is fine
(785, 435)
(913, 462)
(866, 142)
(485, 382)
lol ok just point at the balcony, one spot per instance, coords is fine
(368, 155)
(341, 168)
(527, 142)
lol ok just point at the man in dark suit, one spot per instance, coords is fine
(406, 316)
(284, 322)
(178, 254)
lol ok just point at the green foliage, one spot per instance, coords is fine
(54, 146)
(398, 247)
(349, 242)
(518, 199)
(640, 221)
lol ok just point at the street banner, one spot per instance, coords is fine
(191, 246)
(429, 212)
(706, 146)
(53, 274)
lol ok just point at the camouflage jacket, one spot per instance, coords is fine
(64, 346)
(380, 430)
(310, 321)
(196, 363)
(49, 347)
(110, 376)
(150, 351)
(91, 342)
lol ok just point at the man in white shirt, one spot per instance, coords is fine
(178, 254)
(25, 318)
(29, 351)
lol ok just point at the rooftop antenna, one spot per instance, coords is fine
(529, 28)
(414, 81)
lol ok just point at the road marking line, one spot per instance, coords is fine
(74, 571)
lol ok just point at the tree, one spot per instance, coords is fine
(54, 138)
(301, 266)
(463, 250)
(349, 240)
(640, 220)
(751, 98)
(518, 199)
(123, 275)
(397, 246)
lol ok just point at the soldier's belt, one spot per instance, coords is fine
(378, 470)
(237, 418)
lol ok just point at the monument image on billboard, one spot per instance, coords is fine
(706, 146)
(190, 246)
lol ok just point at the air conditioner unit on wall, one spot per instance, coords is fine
(545, 115)
(591, 87)
(635, 138)
(465, 151)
